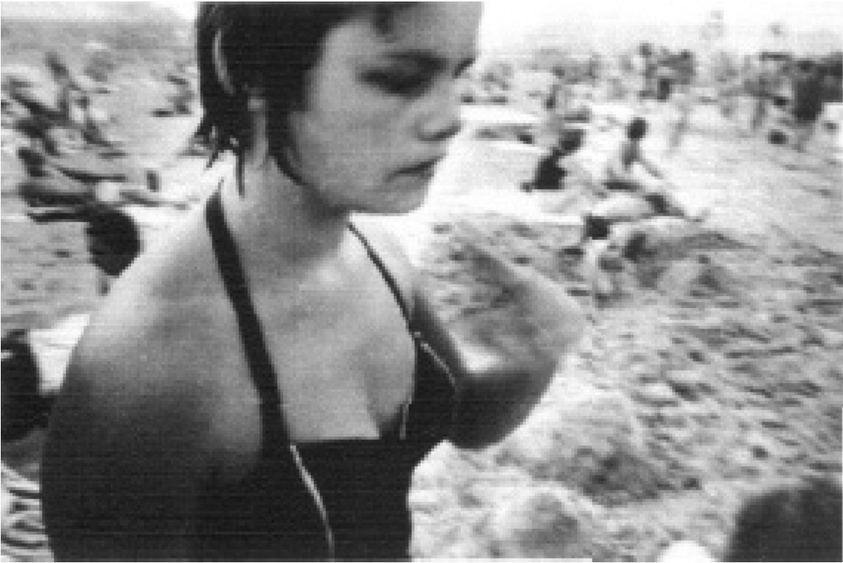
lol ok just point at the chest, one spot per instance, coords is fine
(343, 361)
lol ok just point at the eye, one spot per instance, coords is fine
(399, 82)
(463, 67)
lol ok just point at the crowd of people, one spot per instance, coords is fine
(250, 438)
(774, 96)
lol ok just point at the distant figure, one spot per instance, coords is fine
(727, 79)
(790, 524)
(633, 198)
(644, 64)
(594, 69)
(66, 84)
(764, 87)
(807, 102)
(665, 76)
(553, 122)
(549, 173)
(683, 98)
(619, 167)
(92, 125)
(47, 185)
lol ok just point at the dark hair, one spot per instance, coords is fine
(268, 44)
(801, 523)
(117, 230)
(805, 65)
(56, 64)
(636, 129)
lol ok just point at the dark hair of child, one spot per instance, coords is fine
(800, 523)
(637, 128)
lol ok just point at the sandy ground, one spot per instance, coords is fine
(716, 373)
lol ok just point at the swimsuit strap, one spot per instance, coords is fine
(234, 280)
(385, 273)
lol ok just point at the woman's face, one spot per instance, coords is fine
(381, 106)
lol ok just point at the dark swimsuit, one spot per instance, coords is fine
(337, 499)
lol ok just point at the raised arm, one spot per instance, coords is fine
(503, 364)
(122, 461)
(650, 166)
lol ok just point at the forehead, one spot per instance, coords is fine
(445, 30)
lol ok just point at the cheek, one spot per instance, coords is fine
(354, 119)
(357, 138)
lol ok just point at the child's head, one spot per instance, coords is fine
(113, 239)
(636, 129)
(58, 68)
(801, 523)
(805, 66)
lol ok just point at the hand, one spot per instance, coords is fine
(532, 322)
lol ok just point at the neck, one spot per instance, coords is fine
(280, 226)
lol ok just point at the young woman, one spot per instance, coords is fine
(263, 386)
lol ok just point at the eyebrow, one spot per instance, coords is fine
(427, 60)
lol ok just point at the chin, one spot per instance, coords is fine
(396, 199)
(407, 201)
(396, 207)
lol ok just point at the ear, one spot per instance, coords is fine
(221, 66)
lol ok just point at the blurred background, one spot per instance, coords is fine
(712, 370)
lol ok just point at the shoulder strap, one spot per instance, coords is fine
(234, 280)
(385, 273)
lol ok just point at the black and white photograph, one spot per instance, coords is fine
(380, 281)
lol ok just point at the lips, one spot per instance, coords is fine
(423, 167)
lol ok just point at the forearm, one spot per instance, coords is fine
(497, 401)
(504, 358)
(652, 169)
(621, 174)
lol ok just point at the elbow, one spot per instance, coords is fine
(495, 404)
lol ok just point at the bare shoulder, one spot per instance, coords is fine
(133, 370)
(390, 251)
(130, 434)
(152, 339)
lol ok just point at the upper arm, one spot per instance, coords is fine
(496, 388)
(122, 461)
(615, 166)
(649, 165)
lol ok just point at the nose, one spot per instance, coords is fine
(440, 119)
